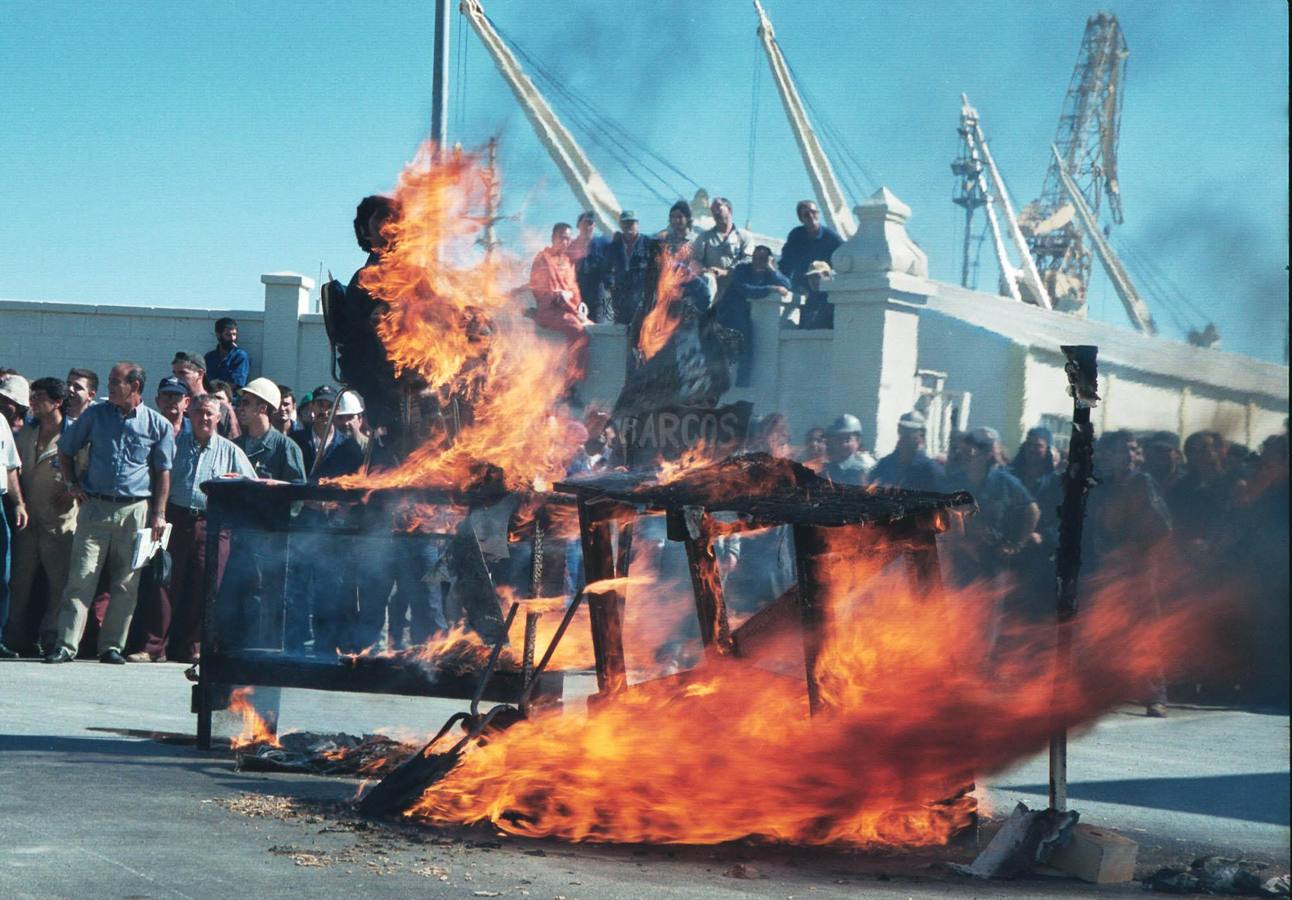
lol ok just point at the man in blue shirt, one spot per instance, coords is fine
(749, 280)
(228, 362)
(122, 491)
(908, 466)
(806, 244)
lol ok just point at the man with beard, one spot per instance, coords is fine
(228, 362)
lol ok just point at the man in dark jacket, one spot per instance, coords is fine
(908, 466)
(808, 243)
(749, 280)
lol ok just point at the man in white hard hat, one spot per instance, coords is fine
(272, 453)
(845, 463)
(908, 466)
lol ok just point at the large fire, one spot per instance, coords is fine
(917, 705)
(451, 320)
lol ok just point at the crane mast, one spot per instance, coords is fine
(1136, 308)
(975, 165)
(829, 193)
(584, 180)
(1087, 154)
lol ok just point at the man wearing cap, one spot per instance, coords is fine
(322, 437)
(122, 490)
(228, 362)
(629, 257)
(272, 453)
(718, 250)
(1007, 516)
(46, 542)
(808, 243)
(845, 461)
(558, 305)
(200, 456)
(14, 395)
(908, 466)
(172, 402)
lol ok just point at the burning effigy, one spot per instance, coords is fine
(856, 709)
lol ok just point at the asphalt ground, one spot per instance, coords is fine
(91, 805)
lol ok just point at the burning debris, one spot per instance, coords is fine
(370, 756)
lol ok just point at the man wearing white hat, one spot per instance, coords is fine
(272, 453)
(14, 392)
(908, 466)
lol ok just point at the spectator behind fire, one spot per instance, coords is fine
(628, 257)
(1033, 464)
(82, 390)
(46, 542)
(122, 490)
(172, 402)
(807, 243)
(558, 306)
(908, 466)
(771, 435)
(588, 252)
(190, 369)
(718, 250)
(230, 426)
(331, 447)
(749, 280)
(272, 454)
(845, 461)
(1007, 514)
(285, 418)
(14, 399)
(679, 232)
(228, 362)
(1203, 498)
(812, 454)
(1162, 459)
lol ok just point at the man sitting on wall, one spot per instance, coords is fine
(228, 362)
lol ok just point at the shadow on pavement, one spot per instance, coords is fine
(1260, 797)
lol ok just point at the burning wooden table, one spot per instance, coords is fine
(763, 492)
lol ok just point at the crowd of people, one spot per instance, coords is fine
(88, 478)
(583, 278)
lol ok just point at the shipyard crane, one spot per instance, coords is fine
(829, 193)
(1135, 306)
(1087, 152)
(579, 173)
(974, 167)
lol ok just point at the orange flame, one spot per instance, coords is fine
(255, 731)
(659, 324)
(449, 319)
(913, 710)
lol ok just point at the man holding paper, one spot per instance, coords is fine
(122, 490)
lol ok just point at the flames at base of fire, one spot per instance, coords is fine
(254, 728)
(921, 698)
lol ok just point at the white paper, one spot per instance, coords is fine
(145, 547)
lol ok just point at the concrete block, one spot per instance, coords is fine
(21, 322)
(1096, 855)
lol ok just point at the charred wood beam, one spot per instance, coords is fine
(766, 626)
(597, 518)
(706, 582)
(809, 558)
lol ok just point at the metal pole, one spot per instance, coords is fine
(1083, 384)
(440, 80)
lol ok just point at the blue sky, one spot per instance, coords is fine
(169, 153)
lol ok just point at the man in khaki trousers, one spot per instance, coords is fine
(122, 490)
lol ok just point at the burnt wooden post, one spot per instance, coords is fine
(809, 558)
(1083, 385)
(706, 581)
(204, 691)
(605, 606)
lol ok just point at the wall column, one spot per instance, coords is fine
(881, 281)
(765, 374)
(287, 297)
